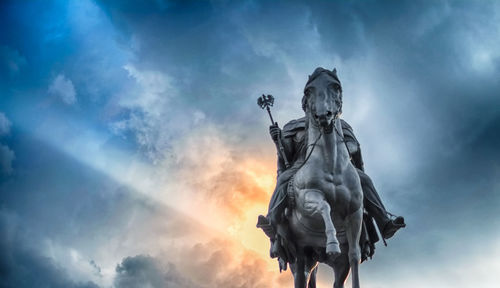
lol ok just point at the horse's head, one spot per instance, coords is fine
(323, 98)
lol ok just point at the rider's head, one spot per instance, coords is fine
(317, 72)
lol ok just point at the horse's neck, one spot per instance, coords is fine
(329, 147)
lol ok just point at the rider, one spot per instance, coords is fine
(293, 140)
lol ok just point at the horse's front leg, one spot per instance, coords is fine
(315, 202)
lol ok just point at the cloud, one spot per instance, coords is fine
(148, 115)
(11, 61)
(179, 82)
(217, 263)
(5, 124)
(64, 89)
(22, 267)
(152, 110)
(218, 172)
(6, 158)
(146, 271)
(7, 155)
(104, 220)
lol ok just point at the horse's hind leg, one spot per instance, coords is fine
(315, 202)
(298, 271)
(312, 278)
(341, 268)
(353, 232)
(311, 269)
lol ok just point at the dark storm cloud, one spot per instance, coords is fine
(198, 44)
(217, 263)
(7, 156)
(56, 205)
(146, 271)
(23, 267)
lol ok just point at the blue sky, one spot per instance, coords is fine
(132, 152)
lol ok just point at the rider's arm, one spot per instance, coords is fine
(276, 133)
(353, 146)
(357, 159)
(281, 165)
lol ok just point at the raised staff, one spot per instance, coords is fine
(265, 102)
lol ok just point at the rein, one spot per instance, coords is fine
(317, 139)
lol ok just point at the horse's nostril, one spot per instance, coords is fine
(329, 114)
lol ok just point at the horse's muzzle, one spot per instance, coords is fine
(324, 120)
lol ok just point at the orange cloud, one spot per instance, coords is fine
(224, 182)
(224, 263)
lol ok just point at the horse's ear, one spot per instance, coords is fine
(334, 71)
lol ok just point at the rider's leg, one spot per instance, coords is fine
(274, 216)
(372, 201)
(373, 204)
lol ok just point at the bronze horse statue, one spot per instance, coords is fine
(327, 214)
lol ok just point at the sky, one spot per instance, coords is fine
(133, 154)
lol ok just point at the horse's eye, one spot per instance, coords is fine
(336, 87)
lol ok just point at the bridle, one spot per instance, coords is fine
(321, 132)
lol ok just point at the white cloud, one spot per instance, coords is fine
(153, 118)
(4, 124)
(149, 113)
(155, 90)
(64, 89)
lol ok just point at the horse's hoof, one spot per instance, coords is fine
(332, 250)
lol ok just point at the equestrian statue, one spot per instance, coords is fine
(324, 205)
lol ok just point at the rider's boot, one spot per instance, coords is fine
(274, 250)
(392, 226)
(269, 230)
(387, 226)
(373, 204)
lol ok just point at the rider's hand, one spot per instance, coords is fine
(275, 132)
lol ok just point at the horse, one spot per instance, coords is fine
(326, 217)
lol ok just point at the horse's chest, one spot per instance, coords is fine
(332, 185)
(316, 177)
